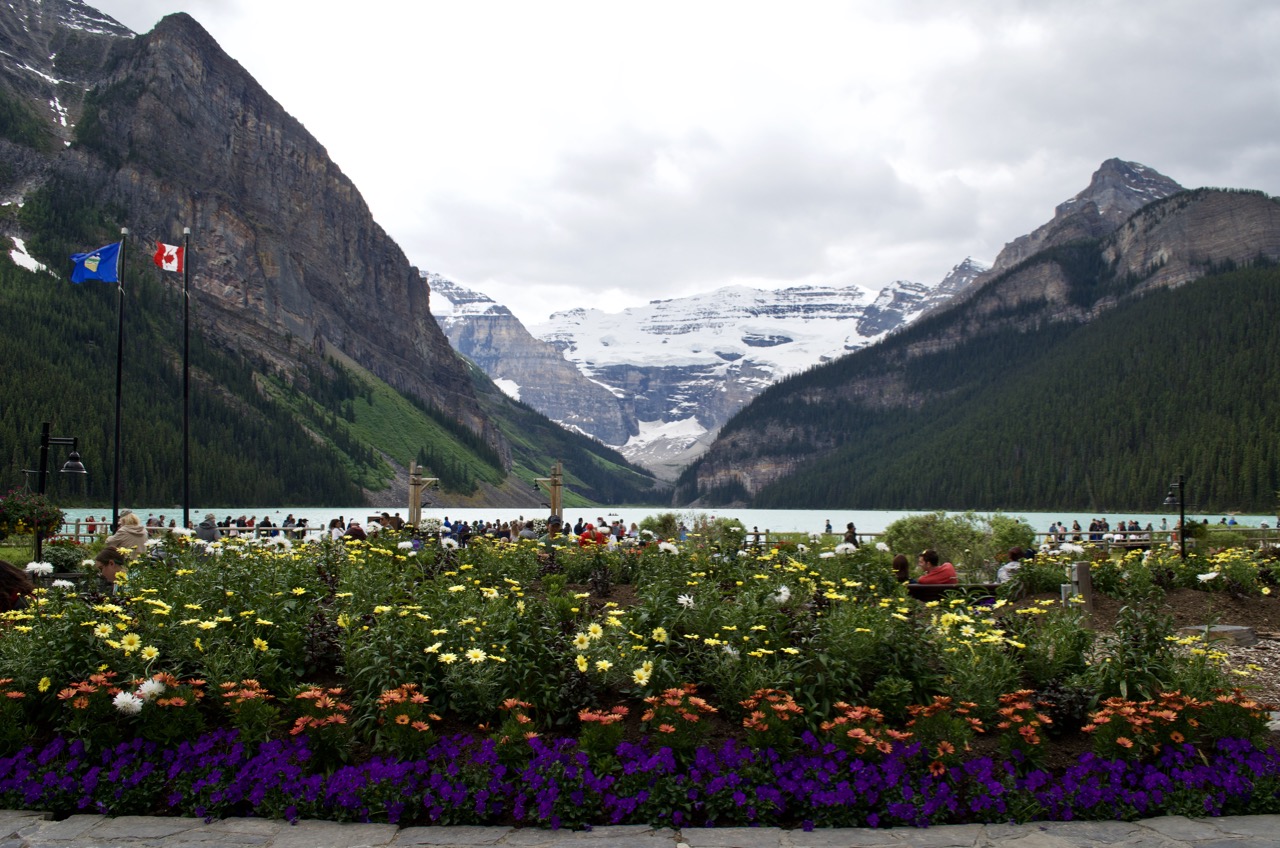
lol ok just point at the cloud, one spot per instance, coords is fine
(577, 152)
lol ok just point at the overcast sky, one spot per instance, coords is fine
(553, 154)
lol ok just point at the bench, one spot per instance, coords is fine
(937, 591)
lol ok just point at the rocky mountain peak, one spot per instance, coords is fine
(452, 301)
(51, 53)
(1116, 191)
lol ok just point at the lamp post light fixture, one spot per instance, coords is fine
(1180, 499)
(555, 485)
(73, 466)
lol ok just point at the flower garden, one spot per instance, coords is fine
(406, 681)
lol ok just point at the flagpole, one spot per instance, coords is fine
(115, 495)
(186, 376)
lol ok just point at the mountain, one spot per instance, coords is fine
(526, 368)
(658, 381)
(291, 276)
(999, 399)
(1117, 190)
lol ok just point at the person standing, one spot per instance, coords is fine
(851, 534)
(828, 527)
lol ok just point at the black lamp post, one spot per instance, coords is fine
(72, 466)
(1181, 500)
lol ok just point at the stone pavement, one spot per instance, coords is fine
(33, 830)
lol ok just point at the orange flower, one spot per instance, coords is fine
(1124, 742)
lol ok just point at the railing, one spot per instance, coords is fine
(1254, 536)
(79, 531)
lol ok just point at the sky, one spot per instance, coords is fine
(604, 154)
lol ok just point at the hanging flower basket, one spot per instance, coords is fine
(22, 512)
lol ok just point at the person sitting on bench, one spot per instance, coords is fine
(935, 574)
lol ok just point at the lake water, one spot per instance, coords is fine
(775, 520)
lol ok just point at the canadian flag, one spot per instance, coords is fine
(168, 257)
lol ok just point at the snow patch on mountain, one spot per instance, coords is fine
(23, 259)
(685, 430)
(781, 332)
(510, 388)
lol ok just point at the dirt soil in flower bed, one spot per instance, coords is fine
(1193, 608)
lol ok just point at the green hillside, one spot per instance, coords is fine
(58, 343)
(1099, 416)
(593, 472)
(318, 436)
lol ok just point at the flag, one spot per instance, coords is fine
(101, 264)
(168, 257)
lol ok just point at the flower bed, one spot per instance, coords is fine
(591, 683)
(554, 784)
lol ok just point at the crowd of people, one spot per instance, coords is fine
(609, 532)
(1100, 530)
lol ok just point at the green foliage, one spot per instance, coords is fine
(593, 472)
(665, 525)
(61, 223)
(65, 555)
(1137, 660)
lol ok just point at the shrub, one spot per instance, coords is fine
(974, 543)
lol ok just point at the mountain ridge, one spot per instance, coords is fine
(657, 381)
(289, 270)
(1164, 244)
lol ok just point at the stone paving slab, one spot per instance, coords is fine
(450, 836)
(732, 837)
(19, 829)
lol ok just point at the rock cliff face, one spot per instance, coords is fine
(287, 262)
(526, 368)
(1175, 241)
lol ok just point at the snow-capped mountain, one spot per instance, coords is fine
(658, 381)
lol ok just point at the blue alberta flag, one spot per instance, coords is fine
(100, 264)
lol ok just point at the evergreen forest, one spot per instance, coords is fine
(1045, 415)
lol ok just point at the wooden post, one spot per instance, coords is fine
(1082, 581)
(557, 490)
(415, 494)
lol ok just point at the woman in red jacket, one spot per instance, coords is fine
(944, 574)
